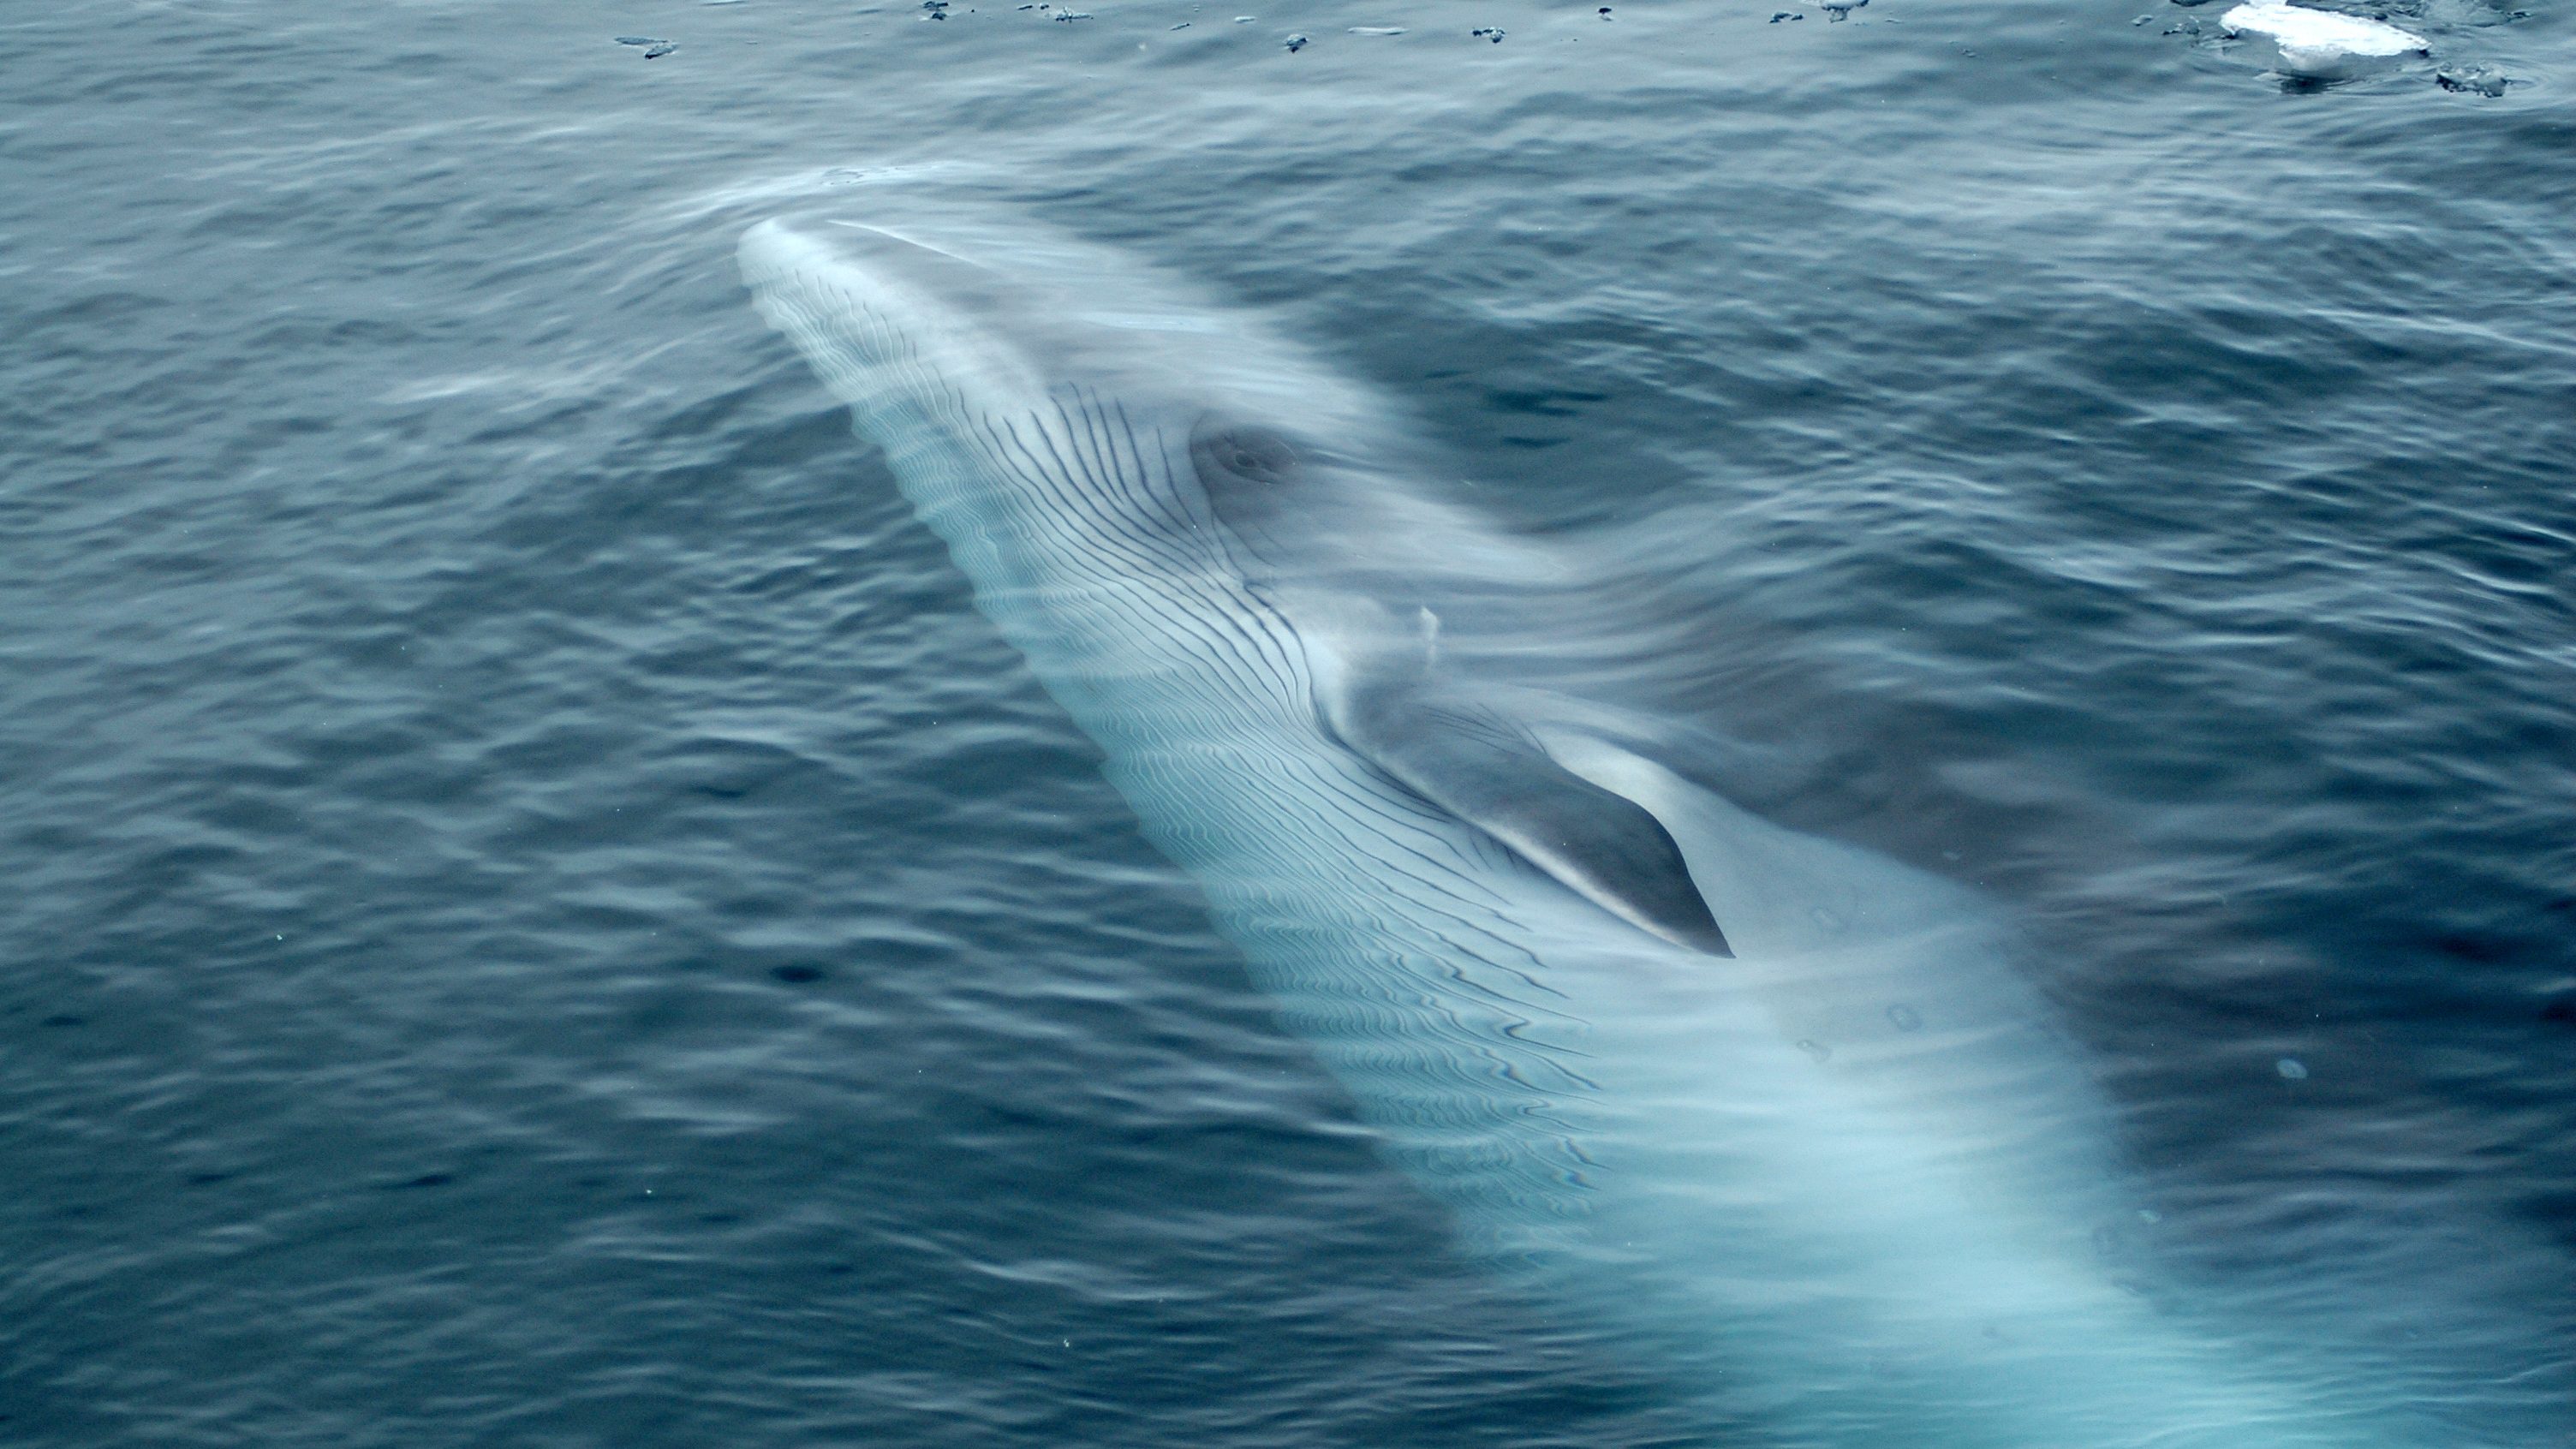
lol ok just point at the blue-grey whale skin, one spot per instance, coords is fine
(1846, 1187)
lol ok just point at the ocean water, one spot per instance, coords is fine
(543, 915)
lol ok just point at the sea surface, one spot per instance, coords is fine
(539, 914)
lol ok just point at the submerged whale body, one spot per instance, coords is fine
(1769, 1111)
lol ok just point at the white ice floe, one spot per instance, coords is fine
(2321, 44)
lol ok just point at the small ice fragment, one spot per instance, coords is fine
(1779, 15)
(1842, 9)
(1073, 15)
(2141, 20)
(1245, 19)
(1184, 25)
(638, 40)
(1904, 1017)
(2321, 44)
(1296, 43)
(1492, 33)
(1817, 1050)
(2292, 1068)
(1377, 30)
(659, 51)
(2475, 80)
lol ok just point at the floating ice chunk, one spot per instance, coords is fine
(2474, 80)
(2322, 44)
(2291, 1069)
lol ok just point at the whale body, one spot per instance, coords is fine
(1769, 1112)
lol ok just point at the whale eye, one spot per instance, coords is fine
(1236, 455)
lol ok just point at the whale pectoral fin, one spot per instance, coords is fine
(1602, 845)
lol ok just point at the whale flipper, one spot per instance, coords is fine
(1475, 764)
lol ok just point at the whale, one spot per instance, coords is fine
(1778, 1117)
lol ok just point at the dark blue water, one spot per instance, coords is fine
(541, 914)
